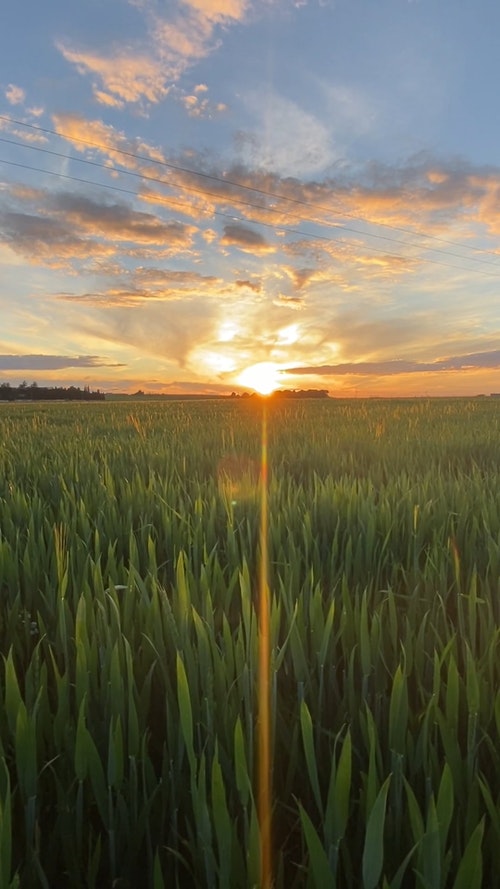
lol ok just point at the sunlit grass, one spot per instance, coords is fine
(132, 573)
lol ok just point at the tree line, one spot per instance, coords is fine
(34, 392)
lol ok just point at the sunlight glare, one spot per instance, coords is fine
(227, 331)
(217, 362)
(289, 335)
(263, 377)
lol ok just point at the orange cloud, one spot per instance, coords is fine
(126, 76)
(219, 10)
(146, 71)
(107, 99)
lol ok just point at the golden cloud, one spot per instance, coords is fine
(125, 75)
(147, 70)
(151, 284)
(219, 10)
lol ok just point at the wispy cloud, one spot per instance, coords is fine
(145, 70)
(150, 284)
(478, 360)
(287, 139)
(15, 95)
(120, 75)
(52, 362)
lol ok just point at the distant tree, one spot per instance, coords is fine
(6, 392)
(53, 393)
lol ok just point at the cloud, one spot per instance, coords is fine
(199, 107)
(151, 284)
(52, 362)
(20, 132)
(390, 210)
(166, 333)
(47, 241)
(145, 70)
(93, 136)
(246, 239)
(86, 135)
(478, 360)
(288, 139)
(15, 95)
(309, 270)
(289, 302)
(121, 75)
(71, 227)
(351, 109)
(120, 222)
(255, 286)
(107, 99)
(219, 10)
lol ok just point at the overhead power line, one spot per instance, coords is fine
(271, 225)
(240, 185)
(240, 202)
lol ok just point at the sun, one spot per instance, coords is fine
(263, 377)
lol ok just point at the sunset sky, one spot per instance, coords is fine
(189, 188)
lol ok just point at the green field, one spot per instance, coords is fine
(129, 579)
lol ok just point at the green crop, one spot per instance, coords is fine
(129, 635)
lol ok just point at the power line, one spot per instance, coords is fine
(159, 181)
(233, 218)
(235, 184)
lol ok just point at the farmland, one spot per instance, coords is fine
(129, 580)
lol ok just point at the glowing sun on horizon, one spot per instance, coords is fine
(263, 377)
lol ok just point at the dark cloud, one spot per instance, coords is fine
(302, 276)
(46, 240)
(245, 238)
(34, 228)
(52, 362)
(477, 360)
(119, 220)
(63, 228)
(251, 285)
(293, 302)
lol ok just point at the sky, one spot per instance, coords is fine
(198, 195)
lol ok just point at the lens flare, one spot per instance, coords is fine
(264, 795)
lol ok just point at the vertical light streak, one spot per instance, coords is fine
(264, 680)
